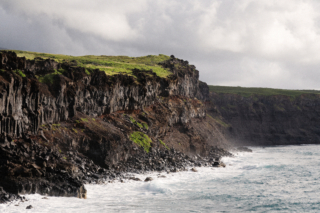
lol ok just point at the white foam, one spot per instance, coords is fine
(266, 179)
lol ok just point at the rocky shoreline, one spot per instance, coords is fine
(83, 126)
(169, 161)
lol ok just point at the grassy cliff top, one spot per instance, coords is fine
(248, 91)
(111, 65)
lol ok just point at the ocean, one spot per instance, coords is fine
(270, 179)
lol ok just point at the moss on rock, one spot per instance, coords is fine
(142, 140)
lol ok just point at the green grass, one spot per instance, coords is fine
(84, 120)
(145, 125)
(111, 65)
(163, 144)
(19, 72)
(218, 120)
(142, 140)
(249, 91)
(48, 79)
(140, 125)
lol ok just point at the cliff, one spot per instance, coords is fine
(68, 121)
(270, 117)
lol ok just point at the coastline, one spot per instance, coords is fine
(120, 184)
(194, 166)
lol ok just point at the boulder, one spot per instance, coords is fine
(148, 179)
(194, 170)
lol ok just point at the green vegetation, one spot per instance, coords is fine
(48, 79)
(218, 120)
(75, 130)
(142, 140)
(19, 72)
(279, 108)
(84, 120)
(87, 72)
(111, 65)
(163, 144)
(249, 91)
(143, 125)
(132, 120)
(144, 114)
(54, 126)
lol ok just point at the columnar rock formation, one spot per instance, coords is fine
(26, 104)
(78, 126)
(268, 119)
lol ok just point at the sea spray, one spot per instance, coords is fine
(272, 179)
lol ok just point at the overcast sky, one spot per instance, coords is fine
(251, 43)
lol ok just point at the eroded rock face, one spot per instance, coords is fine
(77, 128)
(26, 104)
(268, 120)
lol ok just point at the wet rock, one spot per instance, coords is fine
(219, 164)
(29, 207)
(216, 163)
(175, 170)
(93, 142)
(243, 149)
(148, 179)
(194, 170)
(135, 179)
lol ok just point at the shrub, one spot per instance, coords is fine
(142, 140)
(19, 72)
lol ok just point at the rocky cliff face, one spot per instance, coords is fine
(268, 120)
(27, 104)
(77, 126)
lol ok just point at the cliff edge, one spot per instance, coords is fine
(266, 117)
(66, 121)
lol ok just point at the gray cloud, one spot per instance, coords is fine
(265, 43)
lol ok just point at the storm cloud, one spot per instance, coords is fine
(265, 43)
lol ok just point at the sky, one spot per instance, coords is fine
(248, 43)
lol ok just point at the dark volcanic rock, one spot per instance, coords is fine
(148, 179)
(268, 120)
(243, 149)
(194, 170)
(78, 128)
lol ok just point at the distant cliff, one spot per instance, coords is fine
(274, 117)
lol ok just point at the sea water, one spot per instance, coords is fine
(271, 179)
